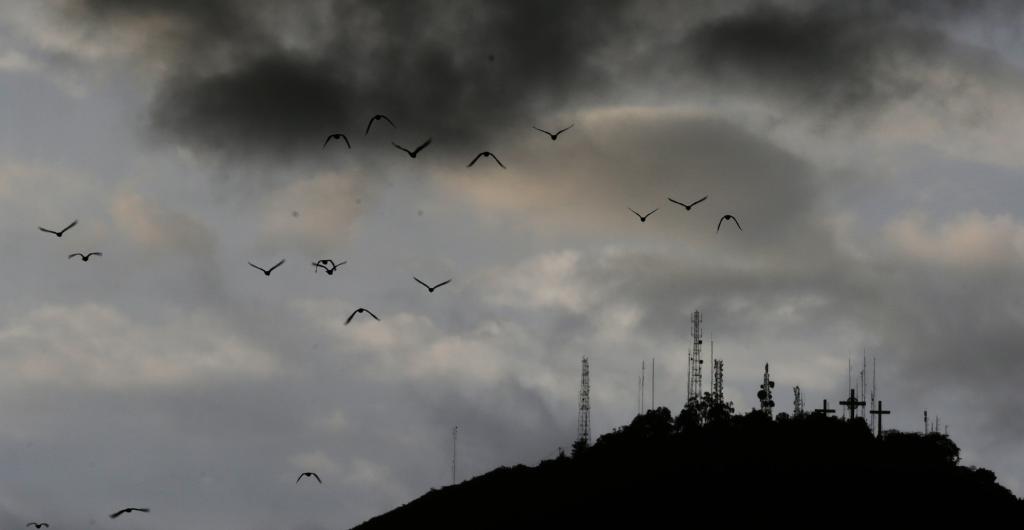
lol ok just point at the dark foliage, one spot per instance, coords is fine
(707, 465)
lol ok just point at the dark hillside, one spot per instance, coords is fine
(708, 465)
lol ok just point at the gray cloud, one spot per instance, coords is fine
(841, 59)
(250, 84)
(170, 375)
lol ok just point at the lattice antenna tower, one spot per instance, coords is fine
(798, 402)
(765, 394)
(717, 384)
(717, 368)
(693, 381)
(583, 421)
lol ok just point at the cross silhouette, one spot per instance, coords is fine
(852, 403)
(879, 412)
(824, 409)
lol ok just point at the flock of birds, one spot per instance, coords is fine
(330, 266)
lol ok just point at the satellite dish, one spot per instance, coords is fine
(771, 384)
(761, 394)
(771, 403)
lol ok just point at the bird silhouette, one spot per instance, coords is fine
(416, 151)
(309, 474)
(361, 310)
(688, 206)
(488, 154)
(375, 118)
(61, 233)
(267, 271)
(38, 525)
(323, 263)
(429, 288)
(123, 511)
(337, 136)
(643, 218)
(728, 217)
(85, 257)
(554, 136)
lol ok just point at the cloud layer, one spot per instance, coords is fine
(867, 150)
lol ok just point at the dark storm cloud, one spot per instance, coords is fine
(252, 81)
(457, 71)
(844, 56)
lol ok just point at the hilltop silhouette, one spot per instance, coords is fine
(708, 465)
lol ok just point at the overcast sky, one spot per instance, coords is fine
(870, 150)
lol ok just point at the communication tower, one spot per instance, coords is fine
(693, 381)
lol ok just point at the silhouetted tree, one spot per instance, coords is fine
(701, 411)
(578, 447)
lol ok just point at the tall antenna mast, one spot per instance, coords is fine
(652, 384)
(863, 380)
(693, 382)
(583, 421)
(874, 384)
(640, 391)
(849, 376)
(798, 402)
(643, 381)
(455, 436)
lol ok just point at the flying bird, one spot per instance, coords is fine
(38, 525)
(309, 474)
(375, 118)
(267, 271)
(414, 152)
(323, 263)
(429, 288)
(85, 257)
(688, 206)
(728, 217)
(488, 154)
(337, 136)
(554, 136)
(361, 310)
(643, 218)
(61, 233)
(119, 513)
